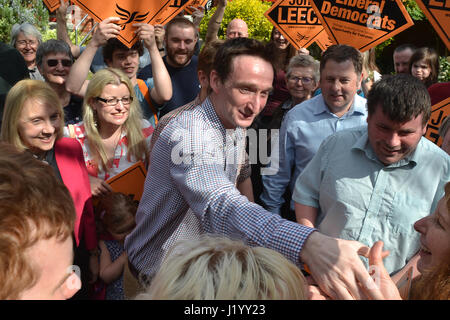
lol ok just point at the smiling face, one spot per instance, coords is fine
(393, 141)
(300, 83)
(56, 74)
(39, 125)
(279, 40)
(27, 46)
(126, 61)
(434, 237)
(180, 45)
(339, 82)
(421, 70)
(244, 93)
(114, 115)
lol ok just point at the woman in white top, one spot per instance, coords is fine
(113, 134)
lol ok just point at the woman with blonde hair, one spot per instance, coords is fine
(32, 122)
(218, 268)
(113, 134)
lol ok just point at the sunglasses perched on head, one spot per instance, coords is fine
(64, 62)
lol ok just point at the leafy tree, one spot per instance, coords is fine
(20, 11)
(251, 11)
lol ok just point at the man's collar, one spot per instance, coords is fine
(364, 145)
(354, 108)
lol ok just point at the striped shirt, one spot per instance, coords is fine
(194, 167)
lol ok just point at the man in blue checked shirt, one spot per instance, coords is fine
(197, 164)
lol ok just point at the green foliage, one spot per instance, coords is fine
(444, 69)
(20, 11)
(413, 10)
(251, 11)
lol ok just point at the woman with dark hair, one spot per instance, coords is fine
(424, 65)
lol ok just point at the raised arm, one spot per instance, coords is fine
(76, 82)
(162, 90)
(215, 21)
(61, 28)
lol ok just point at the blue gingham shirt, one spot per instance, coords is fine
(194, 165)
(359, 198)
(302, 131)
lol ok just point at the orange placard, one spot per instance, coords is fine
(362, 24)
(129, 12)
(130, 181)
(52, 5)
(439, 112)
(323, 40)
(296, 20)
(170, 11)
(438, 13)
(195, 4)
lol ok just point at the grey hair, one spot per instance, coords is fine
(27, 29)
(304, 61)
(52, 46)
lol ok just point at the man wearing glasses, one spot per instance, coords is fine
(54, 61)
(305, 126)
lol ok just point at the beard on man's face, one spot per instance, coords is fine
(179, 57)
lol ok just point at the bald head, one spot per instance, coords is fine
(237, 28)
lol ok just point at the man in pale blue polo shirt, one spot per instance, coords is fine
(372, 183)
(309, 123)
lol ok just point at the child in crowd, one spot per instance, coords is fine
(116, 214)
(424, 65)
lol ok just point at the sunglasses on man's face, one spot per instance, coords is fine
(64, 62)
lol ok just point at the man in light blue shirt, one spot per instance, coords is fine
(309, 123)
(372, 183)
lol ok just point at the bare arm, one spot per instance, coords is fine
(246, 189)
(61, 28)
(305, 215)
(110, 270)
(159, 37)
(76, 81)
(215, 21)
(162, 90)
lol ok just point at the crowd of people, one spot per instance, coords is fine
(350, 171)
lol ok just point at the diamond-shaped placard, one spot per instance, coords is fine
(52, 5)
(438, 113)
(362, 24)
(323, 40)
(296, 20)
(438, 13)
(170, 12)
(129, 12)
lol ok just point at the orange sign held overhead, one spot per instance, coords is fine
(52, 5)
(323, 40)
(129, 12)
(362, 23)
(296, 20)
(439, 112)
(130, 181)
(170, 11)
(438, 13)
(196, 4)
